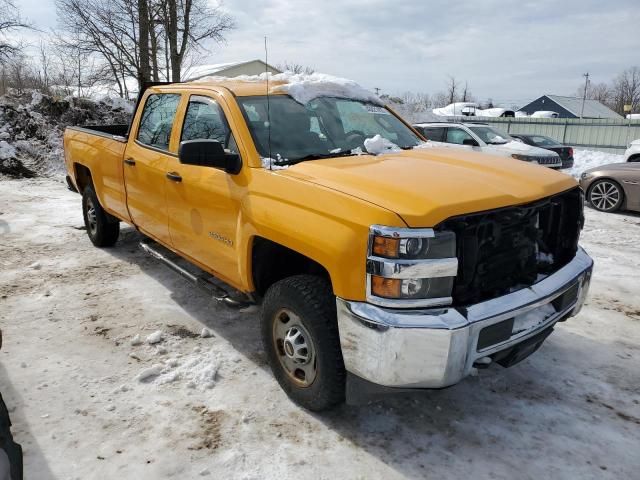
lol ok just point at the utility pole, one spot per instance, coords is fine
(377, 91)
(584, 97)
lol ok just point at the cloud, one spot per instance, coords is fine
(510, 50)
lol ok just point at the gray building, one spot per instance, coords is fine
(569, 107)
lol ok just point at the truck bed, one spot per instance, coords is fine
(119, 130)
(100, 149)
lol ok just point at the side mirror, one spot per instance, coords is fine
(209, 153)
(470, 141)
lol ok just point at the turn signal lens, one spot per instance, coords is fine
(386, 247)
(386, 287)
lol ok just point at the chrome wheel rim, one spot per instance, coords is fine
(92, 217)
(605, 196)
(294, 348)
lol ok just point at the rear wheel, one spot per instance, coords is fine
(103, 229)
(606, 195)
(300, 336)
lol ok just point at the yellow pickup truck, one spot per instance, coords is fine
(381, 265)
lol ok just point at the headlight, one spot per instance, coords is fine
(410, 267)
(586, 175)
(525, 158)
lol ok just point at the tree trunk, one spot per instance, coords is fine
(172, 34)
(154, 52)
(144, 74)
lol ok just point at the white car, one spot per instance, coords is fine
(632, 154)
(481, 137)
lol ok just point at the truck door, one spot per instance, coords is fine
(145, 161)
(203, 202)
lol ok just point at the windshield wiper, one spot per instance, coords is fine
(317, 156)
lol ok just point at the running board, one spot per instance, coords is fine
(214, 290)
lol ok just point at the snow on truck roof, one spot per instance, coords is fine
(302, 87)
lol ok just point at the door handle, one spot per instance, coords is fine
(130, 161)
(174, 176)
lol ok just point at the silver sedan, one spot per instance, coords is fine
(612, 187)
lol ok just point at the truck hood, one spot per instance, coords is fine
(426, 186)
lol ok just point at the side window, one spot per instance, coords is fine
(435, 134)
(457, 135)
(157, 120)
(205, 120)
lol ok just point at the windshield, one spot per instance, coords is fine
(323, 127)
(490, 135)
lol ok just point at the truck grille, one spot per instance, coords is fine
(511, 248)
(550, 160)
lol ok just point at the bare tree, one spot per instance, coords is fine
(439, 99)
(466, 94)
(452, 89)
(626, 90)
(10, 20)
(293, 67)
(188, 24)
(143, 38)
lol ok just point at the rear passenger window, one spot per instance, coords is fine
(157, 120)
(434, 134)
(457, 136)
(205, 120)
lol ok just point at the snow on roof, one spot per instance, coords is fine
(455, 109)
(200, 71)
(305, 87)
(592, 108)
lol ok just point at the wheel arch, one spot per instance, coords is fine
(82, 176)
(272, 261)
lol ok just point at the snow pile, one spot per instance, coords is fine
(378, 144)
(117, 103)
(305, 87)
(6, 150)
(32, 125)
(586, 159)
(272, 164)
(155, 337)
(198, 371)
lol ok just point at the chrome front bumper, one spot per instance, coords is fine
(437, 347)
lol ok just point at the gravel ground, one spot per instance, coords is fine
(91, 397)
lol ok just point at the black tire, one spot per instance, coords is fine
(103, 229)
(309, 301)
(606, 195)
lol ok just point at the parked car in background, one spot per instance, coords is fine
(548, 143)
(613, 187)
(545, 114)
(632, 154)
(472, 109)
(482, 137)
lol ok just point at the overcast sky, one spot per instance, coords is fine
(509, 50)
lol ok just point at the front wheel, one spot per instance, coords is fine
(605, 195)
(300, 336)
(103, 229)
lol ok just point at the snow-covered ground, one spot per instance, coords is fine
(95, 392)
